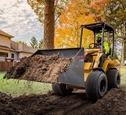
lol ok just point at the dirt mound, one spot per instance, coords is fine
(39, 68)
(6, 108)
(113, 103)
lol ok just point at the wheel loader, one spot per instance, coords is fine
(90, 69)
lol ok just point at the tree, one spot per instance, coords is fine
(39, 5)
(21, 42)
(112, 12)
(67, 33)
(50, 7)
(41, 44)
(98, 8)
(49, 24)
(34, 43)
(116, 16)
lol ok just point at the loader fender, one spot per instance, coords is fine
(99, 69)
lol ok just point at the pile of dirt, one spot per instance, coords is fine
(5, 107)
(113, 103)
(39, 68)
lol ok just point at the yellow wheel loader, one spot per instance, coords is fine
(90, 69)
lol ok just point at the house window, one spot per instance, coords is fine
(3, 54)
(12, 55)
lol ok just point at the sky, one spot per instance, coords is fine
(18, 19)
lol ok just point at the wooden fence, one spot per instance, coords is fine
(4, 66)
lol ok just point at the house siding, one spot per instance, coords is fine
(5, 41)
(3, 58)
(24, 55)
(25, 48)
(15, 55)
(9, 55)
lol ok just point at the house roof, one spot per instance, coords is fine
(6, 34)
(15, 48)
(22, 48)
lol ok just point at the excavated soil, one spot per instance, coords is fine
(39, 68)
(113, 103)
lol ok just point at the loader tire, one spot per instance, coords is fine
(60, 89)
(96, 85)
(113, 77)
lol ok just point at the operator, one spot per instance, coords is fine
(105, 44)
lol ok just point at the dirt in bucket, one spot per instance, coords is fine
(39, 68)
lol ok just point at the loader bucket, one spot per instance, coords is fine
(74, 75)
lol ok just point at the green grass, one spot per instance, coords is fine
(2, 74)
(20, 87)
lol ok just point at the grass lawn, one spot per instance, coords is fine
(19, 87)
(2, 74)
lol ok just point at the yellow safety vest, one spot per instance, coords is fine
(106, 47)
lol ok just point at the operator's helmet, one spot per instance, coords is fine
(99, 36)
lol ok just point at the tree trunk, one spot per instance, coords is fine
(49, 24)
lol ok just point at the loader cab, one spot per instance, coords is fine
(106, 31)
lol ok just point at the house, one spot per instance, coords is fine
(10, 50)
